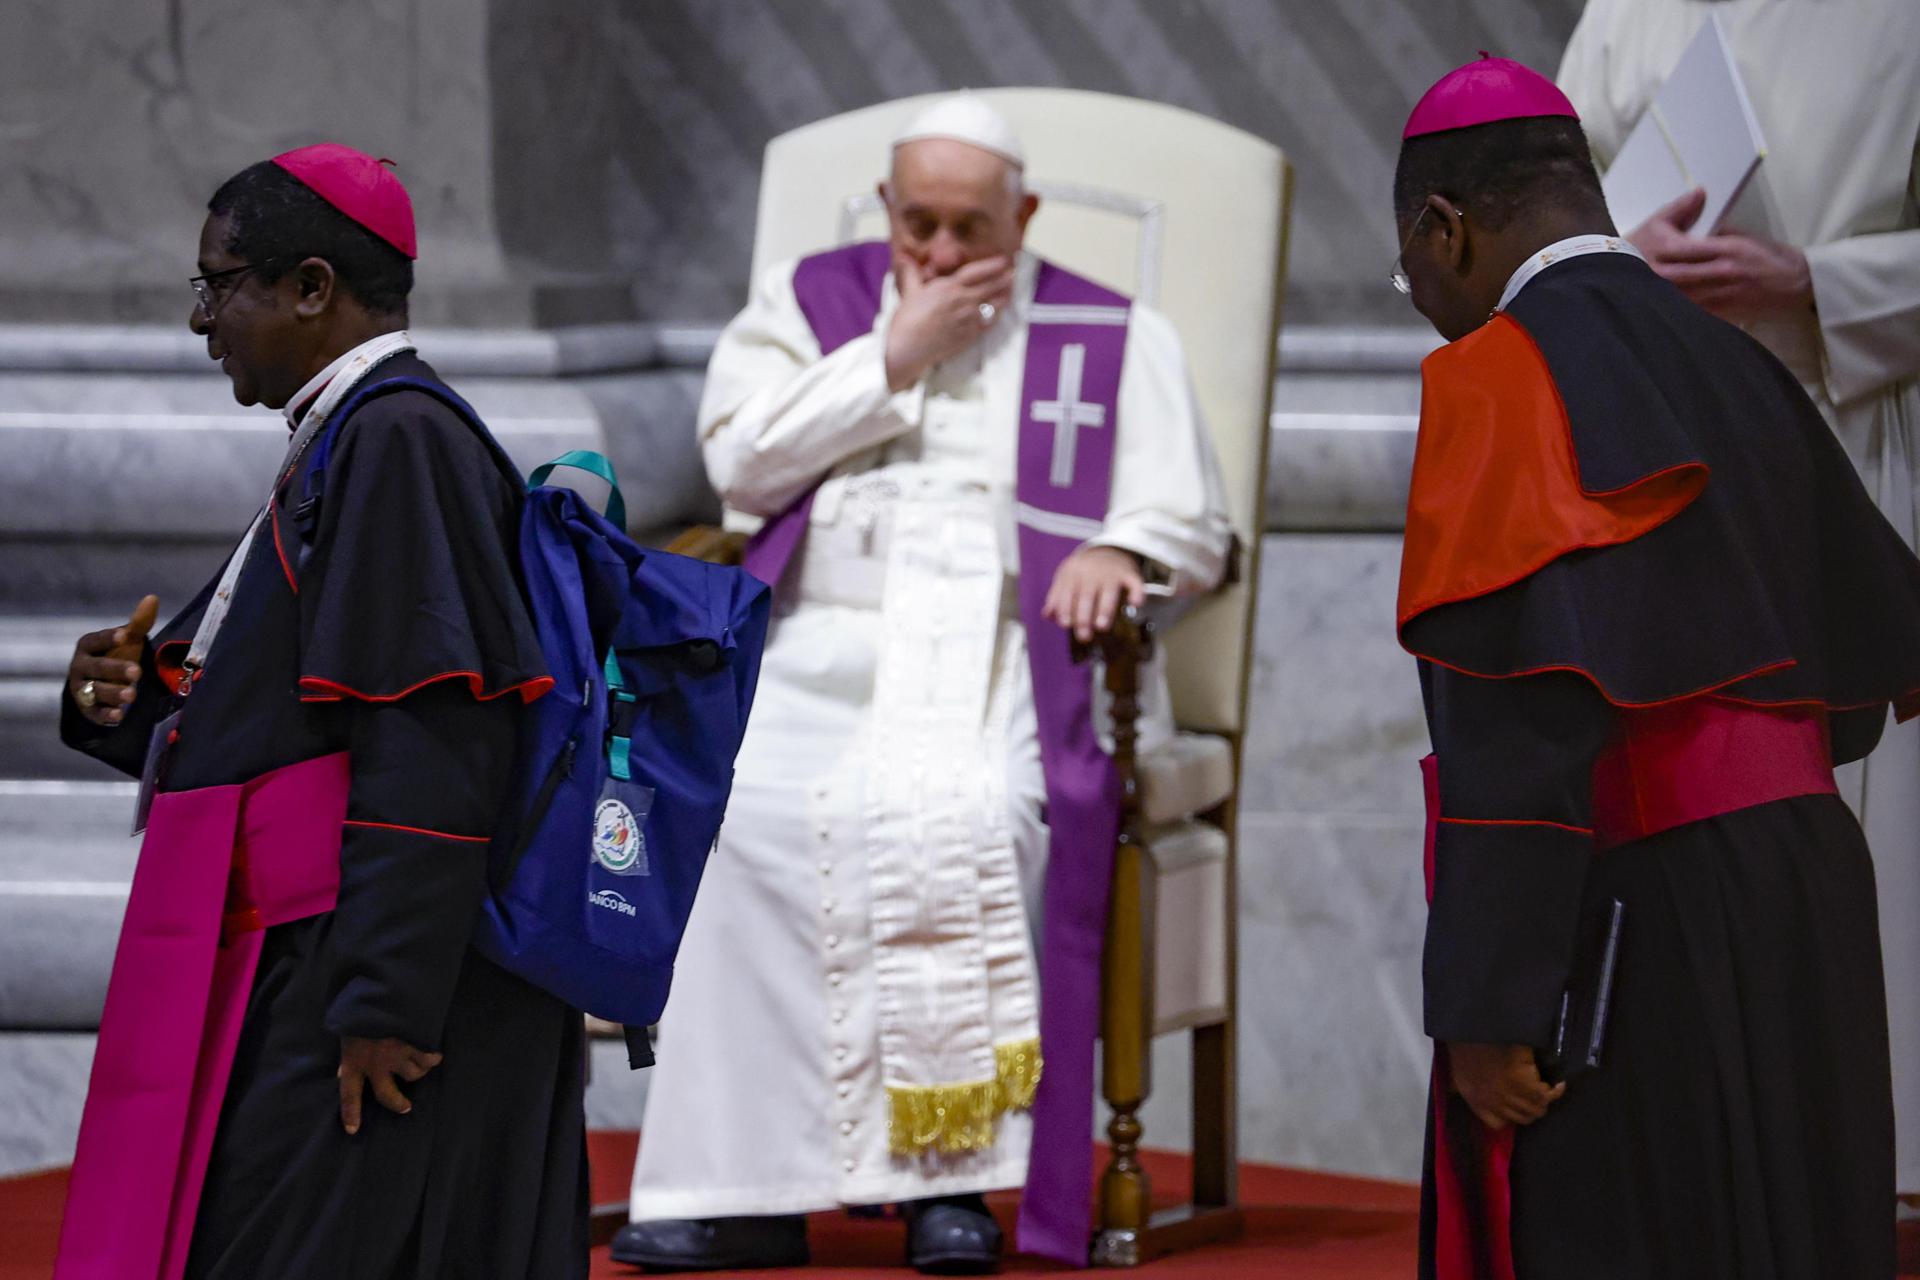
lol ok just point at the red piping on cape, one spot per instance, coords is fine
(1515, 822)
(1906, 706)
(320, 689)
(1622, 703)
(1516, 370)
(417, 831)
(273, 518)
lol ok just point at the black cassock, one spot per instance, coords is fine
(388, 624)
(1631, 541)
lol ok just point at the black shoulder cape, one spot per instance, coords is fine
(1612, 482)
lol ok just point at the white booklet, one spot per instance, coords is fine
(1699, 132)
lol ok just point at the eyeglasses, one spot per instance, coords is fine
(1398, 276)
(212, 299)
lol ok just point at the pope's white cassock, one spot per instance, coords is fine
(1836, 87)
(891, 765)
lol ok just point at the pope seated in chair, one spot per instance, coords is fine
(966, 457)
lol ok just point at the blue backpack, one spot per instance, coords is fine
(624, 767)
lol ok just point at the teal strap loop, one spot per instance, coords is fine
(620, 747)
(593, 464)
(619, 762)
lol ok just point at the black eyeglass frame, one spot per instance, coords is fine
(211, 300)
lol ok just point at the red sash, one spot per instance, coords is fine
(1689, 761)
(219, 865)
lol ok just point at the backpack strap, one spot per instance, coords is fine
(593, 464)
(619, 739)
(639, 1047)
(619, 696)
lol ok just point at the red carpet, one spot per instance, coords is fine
(1303, 1226)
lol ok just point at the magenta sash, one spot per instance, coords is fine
(1076, 342)
(219, 865)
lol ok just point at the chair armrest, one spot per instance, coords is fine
(1129, 641)
(710, 543)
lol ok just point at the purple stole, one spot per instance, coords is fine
(1076, 341)
(219, 866)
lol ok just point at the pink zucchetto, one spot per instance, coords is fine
(359, 186)
(1484, 91)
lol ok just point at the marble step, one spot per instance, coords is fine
(66, 861)
(583, 350)
(118, 455)
(34, 653)
(120, 483)
(128, 431)
(46, 1074)
(578, 350)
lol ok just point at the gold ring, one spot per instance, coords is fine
(86, 695)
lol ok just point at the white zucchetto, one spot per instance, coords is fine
(966, 117)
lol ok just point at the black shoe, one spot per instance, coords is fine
(952, 1236)
(713, 1244)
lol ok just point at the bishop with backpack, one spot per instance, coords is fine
(305, 1067)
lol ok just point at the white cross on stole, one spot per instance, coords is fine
(1068, 413)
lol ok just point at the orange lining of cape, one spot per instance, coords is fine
(1496, 493)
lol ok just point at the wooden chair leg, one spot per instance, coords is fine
(1126, 1194)
(1126, 980)
(1215, 1163)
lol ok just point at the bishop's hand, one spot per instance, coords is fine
(374, 1064)
(1733, 275)
(1089, 586)
(941, 316)
(104, 675)
(1501, 1083)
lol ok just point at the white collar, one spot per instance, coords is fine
(1571, 247)
(398, 341)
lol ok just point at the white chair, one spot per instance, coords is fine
(1189, 215)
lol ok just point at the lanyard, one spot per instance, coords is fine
(1559, 250)
(364, 358)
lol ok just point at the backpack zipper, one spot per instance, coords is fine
(558, 772)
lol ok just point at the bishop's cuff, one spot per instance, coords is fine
(1501, 928)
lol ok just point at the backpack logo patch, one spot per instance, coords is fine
(618, 844)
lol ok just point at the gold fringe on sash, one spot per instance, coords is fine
(1016, 1067)
(960, 1117)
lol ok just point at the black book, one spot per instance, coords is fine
(1580, 1032)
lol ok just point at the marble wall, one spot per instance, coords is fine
(1333, 1062)
(598, 159)
(118, 119)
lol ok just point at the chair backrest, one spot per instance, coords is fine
(1181, 211)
